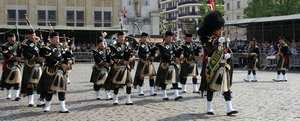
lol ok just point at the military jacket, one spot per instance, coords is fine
(101, 55)
(284, 49)
(119, 52)
(54, 55)
(253, 49)
(30, 50)
(144, 50)
(189, 49)
(167, 51)
(11, 51)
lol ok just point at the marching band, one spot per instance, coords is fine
(46, 66)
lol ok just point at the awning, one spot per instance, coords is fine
(25, 27)
(263, 19)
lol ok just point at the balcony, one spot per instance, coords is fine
(191, 13)
(171, 19)
(189, 2)
(171, 8)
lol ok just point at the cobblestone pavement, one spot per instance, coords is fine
(262, 100)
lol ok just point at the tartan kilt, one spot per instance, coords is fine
(185, 69)
(139, 72)
(4, 76)
(203, 85)
(253, 64)
(109, 85)
(94, 75)
(282, 65)
(46, 81)
(25, 78)
(162, 73)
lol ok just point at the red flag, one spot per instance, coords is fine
(124, 13)
(124, 16)
(211, 2)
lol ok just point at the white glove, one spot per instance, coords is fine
(227, 56)
(221, 39)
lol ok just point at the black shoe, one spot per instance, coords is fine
(141, 94)
(129, 103)
(153, 94)
(46, 111)
(30, 105)
(232, 112)
(17, 99)
(166, 98)
(64, 112)
(109, 99)
(97, 98)
(253, 80)
(196, 92)
(43, 105)
(183, 91)
(7, 98)
(210, 113)
(115, 104)
(179, 88)
(177, 98)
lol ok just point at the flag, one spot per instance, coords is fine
(211, 2)
(124, 16)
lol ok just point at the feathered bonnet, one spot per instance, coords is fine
(212, 21)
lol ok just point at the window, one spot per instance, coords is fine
(129, 3)
(107, 24)
(228, 6)
(79, 15)
(52, 15)
(41, 15)
(238, 17)
(146, 2)
(75, 18)
(107, 16)
(11, 14)
(22, 14)
(70, 15)
(98, 15)
(98, 24)
(226, 18)
(42, 24)
(238, 4)
(16, 17)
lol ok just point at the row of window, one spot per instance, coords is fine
(238, 5)
(74, 18)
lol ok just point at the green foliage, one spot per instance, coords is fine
(267, 8)
(205, 8)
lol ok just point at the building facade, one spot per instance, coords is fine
(182, 14)
(234, 10)
(143, 13)
(73, 17)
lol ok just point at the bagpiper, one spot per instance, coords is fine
(189, 66)
(54, 73)
(32, 67)
(284, 53)
(11, 75)
(100, 68)
(168, 71)
(254, 60)
(145, 66)
(217, 63)
(68, 48)
(119, 75)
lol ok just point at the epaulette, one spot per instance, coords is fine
(162, 44)
(95, 50)
(4, 45)
(24, 42)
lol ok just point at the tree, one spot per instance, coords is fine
(267, 8)
(205, 8)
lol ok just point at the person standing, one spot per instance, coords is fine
(168, 71)
(189, 66)
(54, 73)
(217, 74)
(32, 67)
(100, 68)
(11, 76)
(284, 53)
(119, 75)
(254, 60)
(145, 66)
